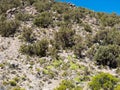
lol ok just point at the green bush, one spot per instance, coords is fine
(103, 81)
(43, 20)
(78, 48)
(27, 34)
(108, 19)
(8, 4)
(106, 37)
(31, 1)
(12, 83)
(68, 85)
(60, 7)
(8, 28)
(108, 55)
(42, 5)
(77, 15)
(64, 38)
(39, 48)
(87, 28)
(65, 84)
(73, 16)
(17, 88)
(23, 16)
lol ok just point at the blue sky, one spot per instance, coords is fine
(107, 6)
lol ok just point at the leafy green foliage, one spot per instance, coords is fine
(39, 48)
(103, 81)
(8, 28)
(108, 55)
(43, 20)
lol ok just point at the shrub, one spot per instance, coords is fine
(53, 52)
(78, 48)
(117, 87)
(64, 38)
(68, 85)
(8, 4)
(17, 88)
(73, 16)
(108, 19)
(31, 1)
(60, 7)
(42, 5)
(65, 84)
(106, 37)
(76, 15)
(44, 20)
(13, 83)
(8, 28)
(27, 34)
(39, 48)
(87, 28)
(108, 55)
(103, 81)
(23, 16)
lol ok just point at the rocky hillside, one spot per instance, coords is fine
(49, 45)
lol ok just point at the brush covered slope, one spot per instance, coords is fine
(49, 45)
